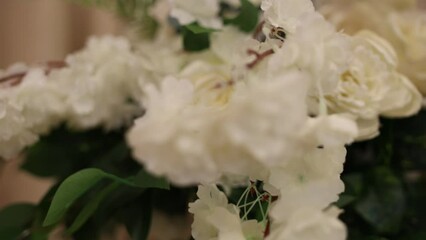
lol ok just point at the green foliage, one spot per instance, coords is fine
(90, 208)
(145, 180)
(77, 184)
(383, 205)
(247, 18)
(197, 29)
(15, 219)
(193, 42)
(64, 152)
(385, 183)
(136, 216)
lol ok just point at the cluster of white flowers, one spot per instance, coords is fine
(278, 111)
(278, 108)
(91, 88)
(243, 108)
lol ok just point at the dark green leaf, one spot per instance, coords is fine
(145, 180)
(197, 29)
(345, 200)
(195, 42)
(248, 18)
(91, 207)
(138, 216)
(66, 151)
(15, 219)
(383, 205)
(72, 188)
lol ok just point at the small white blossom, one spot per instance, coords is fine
(215, 219)
(286, 13)
(205, 12)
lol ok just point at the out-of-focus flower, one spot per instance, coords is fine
(316, 49)
(310, 224)
(170, 138)
(372, 86)
(400, 22)
(304, 181)
(97, 83)
(25, 113)
(205, 12)
(409, 38)
(285, 13)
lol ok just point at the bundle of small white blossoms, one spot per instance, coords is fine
(276, 106)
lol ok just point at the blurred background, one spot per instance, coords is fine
(34, 31)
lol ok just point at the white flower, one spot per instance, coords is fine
(215, 219)
(371, 86)
(409, 34)
(98, 83)
(230, 45)
(265, 117)
(205, 12)
(398, 21)
(310, 224)
(169, 139)
(313, 178)
(28, 107)
(210, 129)
(316, 49)
(286, 13)
(14, 134)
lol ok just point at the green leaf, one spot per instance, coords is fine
(248, 18)
(197, 29)
(72, 188)
(195, 42)
(145, 180)
(91, 207)
(15, 219)
(345, 200)
(383, 206)
(79, 183)
(66, 152)
(137, 217)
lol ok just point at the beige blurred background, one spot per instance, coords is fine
(35, 31)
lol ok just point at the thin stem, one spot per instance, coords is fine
(259, 57)
(242, 195)
(16, 78)
(251, 208)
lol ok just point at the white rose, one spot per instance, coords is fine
(372, 86)
(409, 30)
(398, 21)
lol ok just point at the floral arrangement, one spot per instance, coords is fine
(285, 114)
